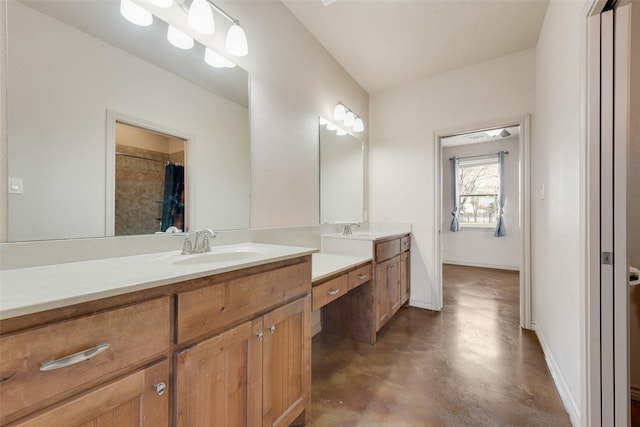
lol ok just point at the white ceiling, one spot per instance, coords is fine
(384, 43)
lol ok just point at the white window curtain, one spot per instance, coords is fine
(500, 231)
(455, 226)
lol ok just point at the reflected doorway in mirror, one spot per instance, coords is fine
(149, 177)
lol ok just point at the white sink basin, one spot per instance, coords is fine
(223, 254)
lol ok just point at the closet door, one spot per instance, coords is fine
(613, 33)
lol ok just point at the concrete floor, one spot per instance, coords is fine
(468, 365)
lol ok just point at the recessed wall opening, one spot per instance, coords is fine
(149, 181)
(482, 205)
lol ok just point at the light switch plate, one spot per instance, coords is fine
(15, 186)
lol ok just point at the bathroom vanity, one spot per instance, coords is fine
(172, 341)
(362, 313)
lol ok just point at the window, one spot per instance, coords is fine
(479, 190)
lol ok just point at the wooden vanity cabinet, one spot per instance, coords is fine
(138, 399)
(134, 335)
(255, 374)
(392, 277)
(232, 349)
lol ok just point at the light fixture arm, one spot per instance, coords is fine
(223, 13)
(185, 9)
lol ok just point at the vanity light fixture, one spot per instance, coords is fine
(358, 125)
(339, 112)
(216, 60)
(200, 17)
(351, 119)
(332, 127)
(178, 38)
(135, 14)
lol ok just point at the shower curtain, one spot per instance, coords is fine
(173, 201)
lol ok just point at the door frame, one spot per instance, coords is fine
(110, 203)
(524, 207)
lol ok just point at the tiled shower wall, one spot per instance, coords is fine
(140, 189)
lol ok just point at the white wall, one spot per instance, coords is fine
(633, 207)
(478, 246)
(403, 121)
(61, 83)
(558, 145)
(293, 81)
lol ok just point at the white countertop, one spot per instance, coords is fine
(371, 235)
(324, 264)
(30, 290)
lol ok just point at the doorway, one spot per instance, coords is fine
(147, 177)
(149, 181)
(479, 213)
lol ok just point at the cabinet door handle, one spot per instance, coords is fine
(81, 356)
(260, 335)
(362, 276)
(272, 329)
(160, 388)
(333, 291)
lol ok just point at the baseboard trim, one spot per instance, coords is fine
(422, 304)
(635, 392)
(480, 265)
(561, 385)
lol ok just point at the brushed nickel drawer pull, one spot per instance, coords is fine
(160, 388)
(333, 291)
(272, 329)
(362, 276)
(81, 356)
(260, 335)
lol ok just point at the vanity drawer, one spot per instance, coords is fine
(220, 305)
(134, 334)
(328, 291)
(405, 243)
(359, 276)
(388, 249)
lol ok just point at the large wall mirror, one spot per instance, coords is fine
(341, 176)
(76, 68)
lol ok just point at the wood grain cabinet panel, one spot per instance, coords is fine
(386, 250)
(359, 276)
(219, 381)
(132, 401)
(405, 277)
(212, 308)
(257, 373)
(392, 273)
(329, 291)
(134, 334)
(287, 365)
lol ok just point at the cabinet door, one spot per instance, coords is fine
(219, 380)
(382, 293)
(135, 400)
(405, 277)
(394, 285)
(287, 364)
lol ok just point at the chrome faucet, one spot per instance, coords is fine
(198, 246)
(347, 227)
